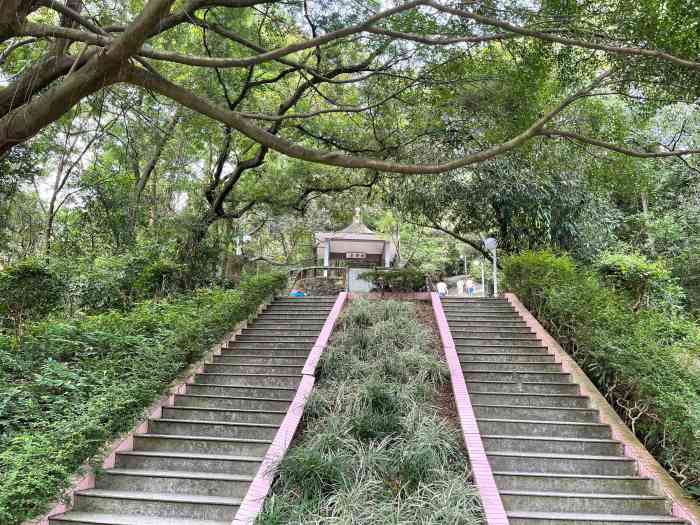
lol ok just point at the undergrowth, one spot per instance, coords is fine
(375, 448)
(66, 388)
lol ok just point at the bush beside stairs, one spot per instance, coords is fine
(553, 461)
(196, 462)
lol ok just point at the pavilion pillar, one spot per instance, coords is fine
(327, 257)
(387, 261)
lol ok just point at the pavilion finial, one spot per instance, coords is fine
(357, 219)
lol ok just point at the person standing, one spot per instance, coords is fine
(442, 288)
(470, 287)
(460, 287)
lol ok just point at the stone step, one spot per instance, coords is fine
(174, 482)
(194, 453)
(540, 428)
(101, 518)
(566, 518)
(516, 376)
(222, 414)
(562, 463)
(253, 368)
(176, 427)
(480, 329)
(297, 343)
(299, 309)
(249, 380)
(266, 392)
(290, 318)
(527, 501)
(233, 403)
(238, 358)
(490, 324)
(288, 325)
(528, 387)
(573, 483)
(270, 331)
(516, 365)
(510, 342)
(237, 348)
(280, 341)
(497, 348)
(495, 318)
(582, 415)
(529, 400)
(161, 505)
(492, 335)
(588, 447)
(511, 357)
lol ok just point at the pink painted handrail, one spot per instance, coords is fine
(682, 505)
(494, 512)
(254, 499)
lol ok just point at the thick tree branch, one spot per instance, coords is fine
(268, 139)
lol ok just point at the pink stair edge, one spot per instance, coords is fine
(254, 499)
(494, 511)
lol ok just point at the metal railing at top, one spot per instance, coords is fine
(326, 272)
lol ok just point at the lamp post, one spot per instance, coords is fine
(480, 262)
(464, 258)
(490, 244)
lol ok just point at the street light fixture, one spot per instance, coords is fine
(480, 262)
(490, 244)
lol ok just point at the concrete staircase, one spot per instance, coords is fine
(553, 462)
(196, 462)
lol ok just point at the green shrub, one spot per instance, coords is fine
(643, 281)
(403, 280)
(28, 290)
(68, 388)
(644, 360)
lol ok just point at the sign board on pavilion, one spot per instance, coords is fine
(355, 255)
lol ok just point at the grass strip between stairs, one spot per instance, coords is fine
(69, 387)
(378, 445)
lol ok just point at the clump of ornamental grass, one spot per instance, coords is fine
(375, 449)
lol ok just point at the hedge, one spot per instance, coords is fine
(645, 361)
(68, 388)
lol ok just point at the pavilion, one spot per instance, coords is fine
(355, 246)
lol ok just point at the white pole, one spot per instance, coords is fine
(495, 273)
(483, 281)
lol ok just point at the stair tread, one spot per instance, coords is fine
(560, 475)
(225, 410)
(233, 397)
(160, 496)
(540, 421)
(206, 421)
(177, 474)
(549, 455)
(126, 519)
(603, 518)
(553, 438)
(258, 387)
(570, 409)
(196, 438)
(580, 495)
(527, 394)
